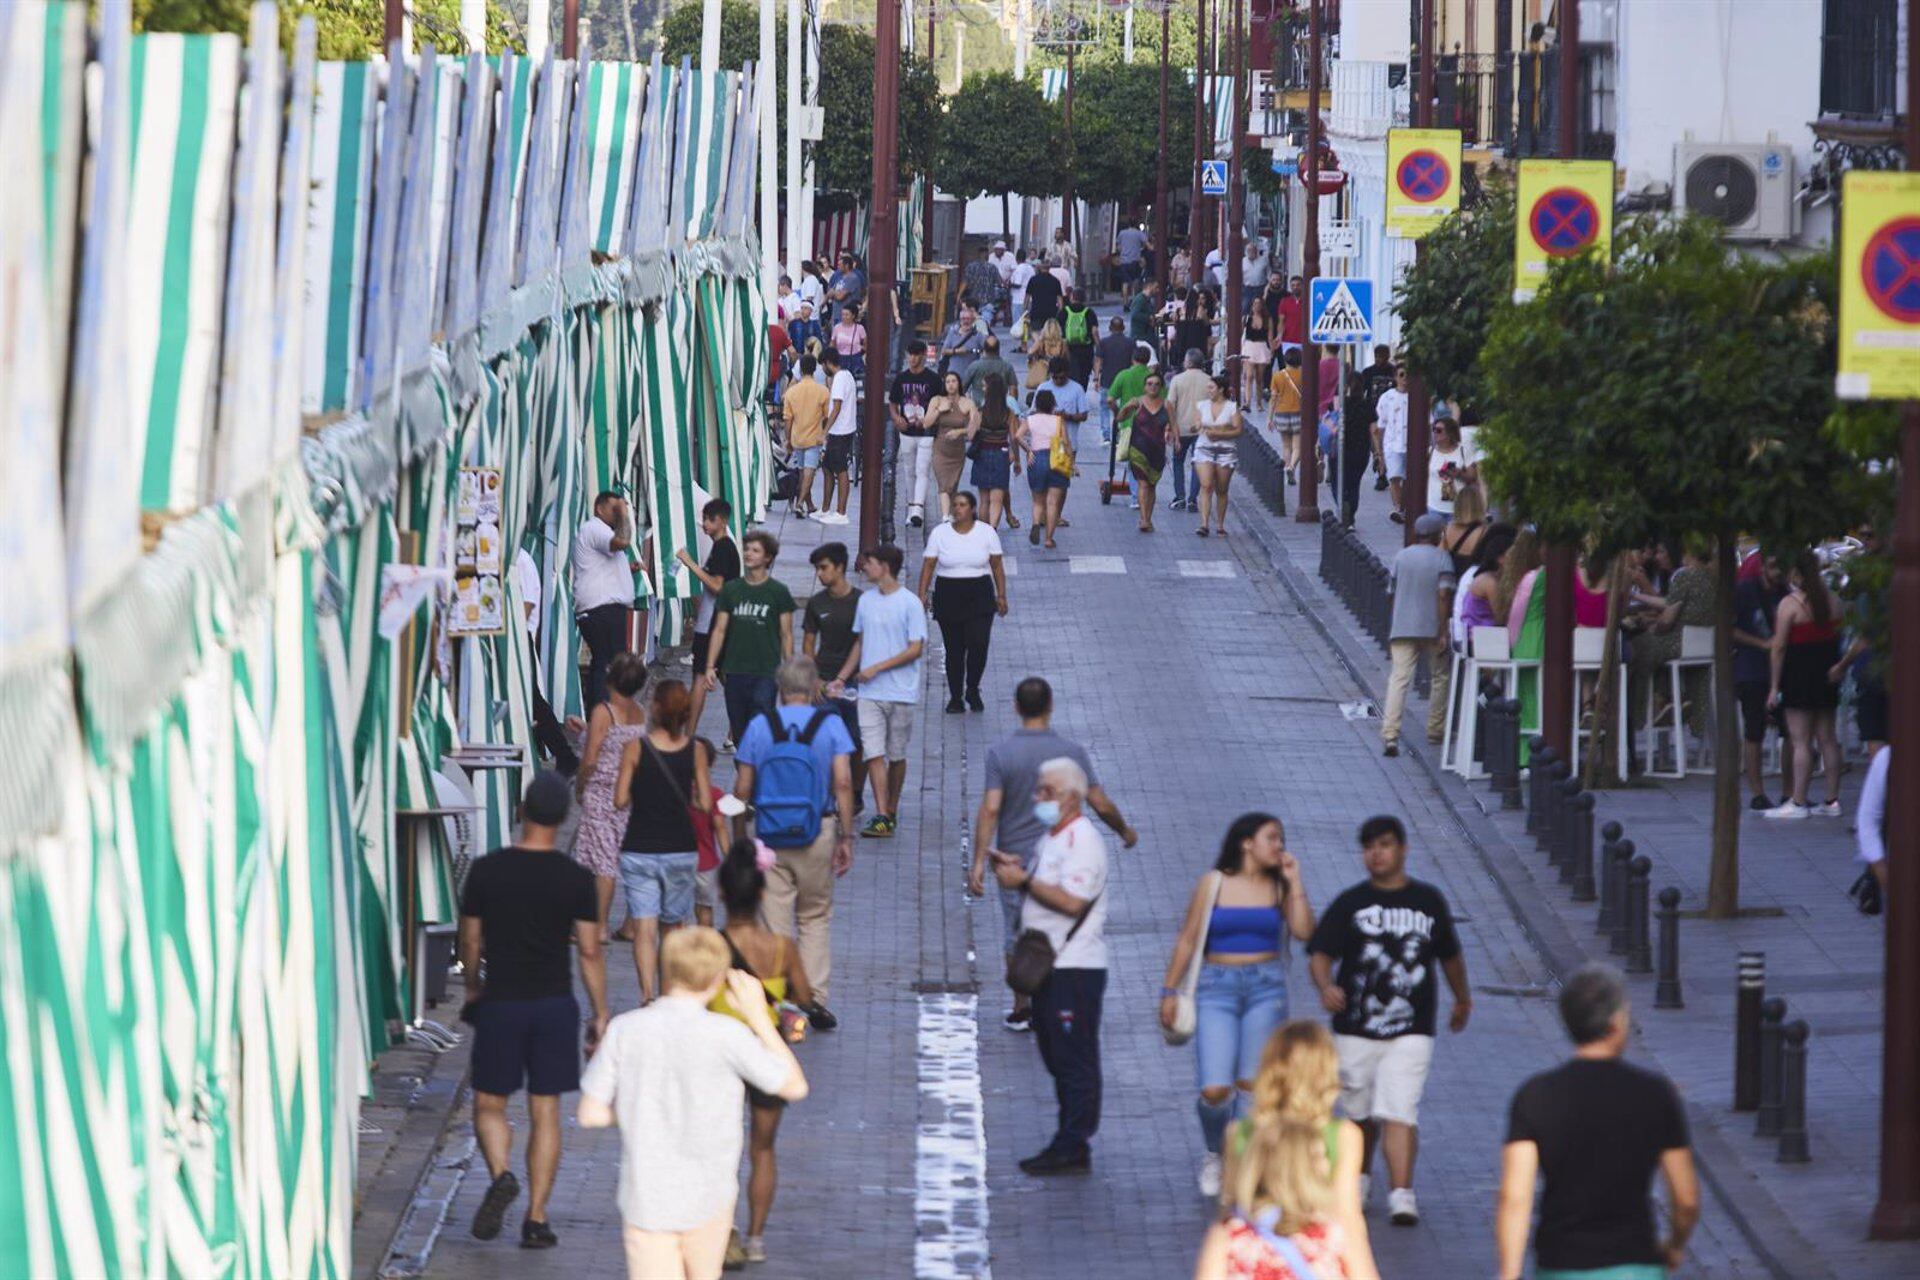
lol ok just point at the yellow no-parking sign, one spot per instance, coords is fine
(1423, 179)
(1879, 287)
(1564, 209)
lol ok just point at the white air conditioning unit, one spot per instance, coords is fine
(1748, 188)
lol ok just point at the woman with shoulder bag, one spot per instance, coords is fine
(1227, 977)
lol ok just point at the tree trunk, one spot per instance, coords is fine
(1006, 222)
(1605, 728)
(626, 18)
(1723, 876)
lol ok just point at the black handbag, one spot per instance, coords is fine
(1031, 962)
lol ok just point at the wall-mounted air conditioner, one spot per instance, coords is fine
(1748, 188)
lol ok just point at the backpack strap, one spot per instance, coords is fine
(814, 722)
(777, 726)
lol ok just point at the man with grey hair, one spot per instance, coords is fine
(1066, 900)
(1185, 394)
(799, 758)
(1596, 1128)
(1421, 584)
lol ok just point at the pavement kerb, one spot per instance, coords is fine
(1786, 1253)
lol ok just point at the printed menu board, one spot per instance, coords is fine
(479, 593)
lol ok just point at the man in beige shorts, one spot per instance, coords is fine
(883, 668)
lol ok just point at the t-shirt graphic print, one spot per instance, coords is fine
(1386, 945)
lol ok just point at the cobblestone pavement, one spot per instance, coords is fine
(1202, 690)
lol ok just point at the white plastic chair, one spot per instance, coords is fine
(1490, 650)
(1670, 728)
(1589, 651)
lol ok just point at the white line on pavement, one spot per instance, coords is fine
(1204, 568)
(1097, 564)
(950, 1150)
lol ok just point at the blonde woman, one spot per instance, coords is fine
(1292, 1197)
(1051, 342)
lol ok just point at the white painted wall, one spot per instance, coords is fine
(1720, 70)
(1375, 30)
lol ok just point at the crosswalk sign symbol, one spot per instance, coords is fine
(1213, 177)
(1340, 311)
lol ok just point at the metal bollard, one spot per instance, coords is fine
(1539, 770)
(1766, 1122)
(1506, 783)
(1579, 864)
(1639, 940)
(1494, 725)
(1610, 833)
(1751, 971)
(1622, 930)
(1793, 1094)
(1560, 852)
(1666, 986)
(1549, 833)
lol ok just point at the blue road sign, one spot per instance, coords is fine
(1340, 311)
(1213, 177)
(1286, 166)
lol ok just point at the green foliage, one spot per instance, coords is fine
(1256, 166)
(1001, 137)
(1110, 42)
(1448, 299)
(346, 29)
(1681, 392)
(1116, 124)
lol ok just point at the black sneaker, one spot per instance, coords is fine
(820, 1017)
(915, 520)
(1051, 1163)
(1391, 749)
(537, 1235)
(976, 702)
(955, 707)
(493, 1207)
(1760, 802)
(1379, 483)
(1019, 1019)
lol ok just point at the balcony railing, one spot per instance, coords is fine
(1511, 102)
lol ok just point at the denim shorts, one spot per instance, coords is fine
(659, 885)
(1238, 1007)
(808, 457)
(1041, 476)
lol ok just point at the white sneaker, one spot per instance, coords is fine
(1209, 1175)
(754, 1248)
(1831, 809)
(1786, 810)
(1402, 1210)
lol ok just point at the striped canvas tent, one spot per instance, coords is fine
(616, 92)
(340, 201)
(706, 101)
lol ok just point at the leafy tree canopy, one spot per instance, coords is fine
(346, 29)
(1116, 138)
(1447, 300)
(1001, 137)
(1109, 43)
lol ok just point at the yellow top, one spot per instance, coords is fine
(804, 405)
(1286, 389)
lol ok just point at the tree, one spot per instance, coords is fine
(1682, 392)
(1448, 298)
(346, 29)
(1116, 138)
(1001, 137)
(1109, 42)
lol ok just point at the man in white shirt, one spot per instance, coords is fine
(843, 421)
(1189, 390)
(1062, 254)
(1066, 900)
(673, 1076)
(1002, 262)
(889, 637)
(603, 589)
(1390, 421)
(1017, 281)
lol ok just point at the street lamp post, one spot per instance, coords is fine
(881, 259)
(1307, 507)
(1896, 1215)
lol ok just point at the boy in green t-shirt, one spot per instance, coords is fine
(752, 635)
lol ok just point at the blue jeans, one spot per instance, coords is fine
(747, 697)
(1238, 1007)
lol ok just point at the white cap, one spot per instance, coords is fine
(999, 244)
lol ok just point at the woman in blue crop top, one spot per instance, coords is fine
(1237, 923)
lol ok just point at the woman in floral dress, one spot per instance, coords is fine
(612, 725)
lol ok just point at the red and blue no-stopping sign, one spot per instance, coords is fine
(1423, 176)
(1890, 269)
(1564, 222)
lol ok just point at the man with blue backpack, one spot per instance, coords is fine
(794, 765)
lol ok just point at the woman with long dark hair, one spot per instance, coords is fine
(964, 567)
(1804, 653)
(992, 450)
(1237, 924)
(663, 787)
(771, 958)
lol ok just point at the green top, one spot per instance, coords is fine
(1128, 385)
(1330, 1134)
(753, 625)
(1140, 317)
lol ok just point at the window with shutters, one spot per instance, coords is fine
(1858, 45)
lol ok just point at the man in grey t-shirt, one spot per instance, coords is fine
(1421, 583)
(1005, 820)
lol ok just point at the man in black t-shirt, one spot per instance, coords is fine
(522, 909)
(722, 567)
(1387, 935)
(1596, 1128)
(1043, 300)
(914, 388)
(828, 637)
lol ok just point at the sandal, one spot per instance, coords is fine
(1013, 522)
(1146, 528)
(1202, 531)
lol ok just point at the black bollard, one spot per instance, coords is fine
(1560, 852)
(1610, 833)
(1793, 1094)
(1766, 1122)
(1622, 913)
(1507, 782)
(1539, 769)
(1549, 834)
(1493, 722)
(1639, 931)
(1666, 985)
(1751, 971)
(1579, 868)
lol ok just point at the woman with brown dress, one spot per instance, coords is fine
(954, 418)
(1151, 426)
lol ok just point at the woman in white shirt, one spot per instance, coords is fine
(1452, 465)
(1215, 454)
(963, 568)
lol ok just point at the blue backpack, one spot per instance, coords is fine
(786, 812)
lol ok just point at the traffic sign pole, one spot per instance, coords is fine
(1413, 489)
(1556, 659)
(1307, 510)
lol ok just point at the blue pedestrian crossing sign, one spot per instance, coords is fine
(1213, 177)
(1340, 311)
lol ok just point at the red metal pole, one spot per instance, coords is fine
(1195, 253)
(1307, 509)
(1066, 212)
(1236, 206)
(1896, 1216)
(1556, 665)
(926, 179)
(1160, 249)
(396, 21)
(570, 29)
(881, 260)
(1413, 490)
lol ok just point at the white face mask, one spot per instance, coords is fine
(1047, 811)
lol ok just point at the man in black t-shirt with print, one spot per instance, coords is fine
(1596, 1128)
(522, 910)
(913, 389)
(1387, 935)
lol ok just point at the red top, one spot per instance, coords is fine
(1812, 632)
(778, 343)
(1589, 606)
(1293, 326)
